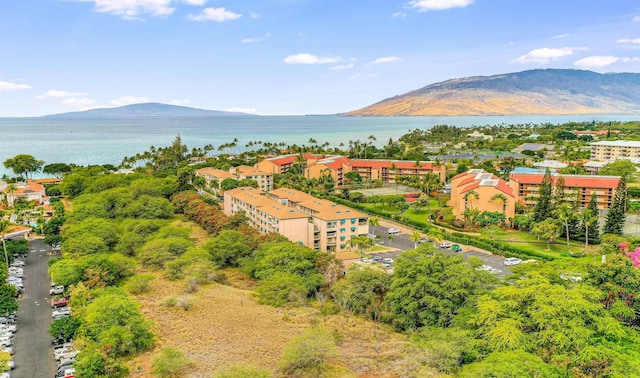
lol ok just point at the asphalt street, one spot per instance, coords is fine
(403, 243)
(33, 353)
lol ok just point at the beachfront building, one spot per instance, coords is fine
(245, 172)
(29, 191)
(615, 149)
(582, 187)
(481, 190)
(302, 218)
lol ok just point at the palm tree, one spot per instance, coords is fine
(11, 188)
(500, 199)
(469, 197)
(415, 237)
(373, 222)
(428, 181)
(4, 230)
(566, 214)
(587, 217)
(393, 168)
(436, 234)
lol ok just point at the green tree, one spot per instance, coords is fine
(594, 227)
(169, 363)
(23, 165)
(623, 168)
(548, 230)
(566, 214)
(516, 363)
(5, 226)
(544, 205)
(469, 197)
(362, 291)
(281, 289)
(362, 242)
(228, 248)
(499, 199)
(430, 290)
(64, 328)
(587, 219)
(306, 355)
(57, 169)
(614, 223)
(559, 195)
(415, 238)
(228, 184)
(8, 302)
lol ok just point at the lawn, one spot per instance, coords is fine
(526, 240)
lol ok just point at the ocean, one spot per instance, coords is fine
(108, 141)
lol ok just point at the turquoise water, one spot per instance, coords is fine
(108, 141)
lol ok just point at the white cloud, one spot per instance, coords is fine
(629, 43)
(132, 9)
(254, 15)
(59, 94)
(256, 39)
(179, 102)
(310, 59)
(399, 15)
(385, 59)
(78, 102)
(342, 67)
(128, 100)
(436, 5)
(636, 19)
(361, 76)
(545, 54)
(194, 2)
(215, 14)
(6, 86)
(560, 36)
(599, 61)
(241, 110)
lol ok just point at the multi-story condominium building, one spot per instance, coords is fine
(300, 217)
(214, 177)
(334, 224)
(283, 163)
(580, 187)
(264, 179)
(267, 215)
(477, 189)
(615, 149)
(372, 169)
(29, 190)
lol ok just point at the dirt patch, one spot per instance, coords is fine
(226, 326)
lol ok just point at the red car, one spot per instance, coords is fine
(60, 302)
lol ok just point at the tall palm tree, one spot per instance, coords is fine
(500, 199)
(4, 230)
(11, 188)
(427, 182)
(469, 197)
(436, 234)
(588, 218)
(373, 222)
(566, 214)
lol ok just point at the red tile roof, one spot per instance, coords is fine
(505, 188)
(580, 181)
(400, 164)
(475, 185)
(288, 159)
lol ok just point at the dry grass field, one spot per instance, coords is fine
(226, 326)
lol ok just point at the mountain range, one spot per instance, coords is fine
(533, 92)
(150, 109)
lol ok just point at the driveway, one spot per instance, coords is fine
(33, 355)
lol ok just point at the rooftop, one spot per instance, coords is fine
(617, 143)
(219, 173)
(585, 181)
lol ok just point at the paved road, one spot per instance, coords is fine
(32, 345)
(403, 243)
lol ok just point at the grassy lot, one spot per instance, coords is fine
(384, 209)
(529, 241)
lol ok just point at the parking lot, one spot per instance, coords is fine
(32, 344)
(401, 242)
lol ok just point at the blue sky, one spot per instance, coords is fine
(290, 56)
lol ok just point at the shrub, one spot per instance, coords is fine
(139, 284)
(169, 363)
(282, 288)
(170, 302)
(65, 328)
(306, 355)
(240, 371)
(186, 302)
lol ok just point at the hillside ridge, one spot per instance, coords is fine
(149, 109)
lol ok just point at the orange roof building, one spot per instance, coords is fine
(477, 189)
(29, 190)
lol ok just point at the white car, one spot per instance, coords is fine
(57, 290)
(393, 231)
(61, 311)
(387, 260)
(445, 245)
(9, 327)
(17, 263)
(5, 341)
(512, 261)
(66, 355)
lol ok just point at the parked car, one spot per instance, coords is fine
(61, 311)
(18, 263)
(66, 356)
(57, 290)
(512, 261)
(367, 261)
(59, 302)
(7, 350)
(376, 258)
(5, 341)
(10, 327)
(393, 231)
(387, 260)
(445, 245)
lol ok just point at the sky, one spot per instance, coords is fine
(282, 57)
